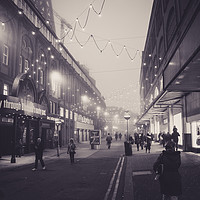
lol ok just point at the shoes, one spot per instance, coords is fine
(34, 169)
(44, 168)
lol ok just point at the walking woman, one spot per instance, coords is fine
(71, 150)
(170, 179)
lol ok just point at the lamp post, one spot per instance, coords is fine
(58, 143)
(127, 117)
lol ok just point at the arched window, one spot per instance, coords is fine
(26, 56)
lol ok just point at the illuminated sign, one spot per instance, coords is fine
(17, 104)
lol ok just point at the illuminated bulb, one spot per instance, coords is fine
(2, 23)
(52, 56)
(20, 12)
(42, 55)
(145, 64)
(47, 21)
(149, 55)
(49, 48)
(37, 60)
(34, 72)
(33, 32)
(160, 58)
(45, 63)
(32, 65)
(155, 67)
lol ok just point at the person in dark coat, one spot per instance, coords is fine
(170, 179)
(148, 143)
(137, 141)
(39, 154)
(71, 150)
(175, 136)
(109, 140)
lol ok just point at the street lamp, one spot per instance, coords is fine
(58, 122)
(127, 117)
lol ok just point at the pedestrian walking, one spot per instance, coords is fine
(148, 143)
(175, 136)
(142, 141)
(137, 141)
(109, 140)
(169, 177)
(39, 154)
(116, 136)
(120, 136)
(71, 150)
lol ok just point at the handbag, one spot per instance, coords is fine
(159, 172)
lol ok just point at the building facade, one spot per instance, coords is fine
(170, 72)
(44, 91)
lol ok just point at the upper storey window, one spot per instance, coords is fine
(171, 26)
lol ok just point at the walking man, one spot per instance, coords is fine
(175, 136)
(109, 140)
(39, 154)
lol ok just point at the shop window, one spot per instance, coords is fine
(5, 54)
(5, 89)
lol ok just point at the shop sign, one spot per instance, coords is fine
(95, 137)
(17, 104)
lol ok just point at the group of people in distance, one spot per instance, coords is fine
(165, 137)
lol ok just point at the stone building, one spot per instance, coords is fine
(44, 91)
(170, 72)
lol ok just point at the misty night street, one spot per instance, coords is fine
(99, 100)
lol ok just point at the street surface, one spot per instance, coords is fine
(96, 175)
(99, 176)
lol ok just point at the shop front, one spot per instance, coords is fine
(22, 121)
(82, 131)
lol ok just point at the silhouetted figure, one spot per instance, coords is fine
(169, 177)
(175, 136)
(38, 154)
(116, 136)
(71, 150)
(148, 143)
(120, 136)
(109, 140)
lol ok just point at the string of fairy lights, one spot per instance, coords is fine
(70, 32)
